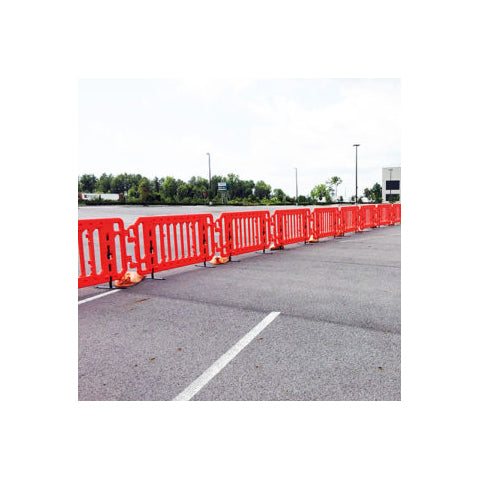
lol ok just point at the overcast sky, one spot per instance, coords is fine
(259, 129)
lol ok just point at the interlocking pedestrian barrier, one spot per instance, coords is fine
(384, 214)
(396, 213)
(242, 232)
(367, 217)
(290, 226)
(348, 219)
(171, 241)
(102, 251)
(165, 242)
(324, 222)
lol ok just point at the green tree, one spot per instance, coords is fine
(104, 183)
(234, 185)
(262, 190)
(156, 185)
(279, 194)
(170, 187)
(368, 194)
(376, 191)
(183, 191)
(145, 190)
(321, 191)
(248, 186)
(88, 183)
(124, 182)
(335, 182)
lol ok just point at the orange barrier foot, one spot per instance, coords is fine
(217, 260)
(273, 247)
(312, 239)
(128, 280)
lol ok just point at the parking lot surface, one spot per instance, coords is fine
(336, 336)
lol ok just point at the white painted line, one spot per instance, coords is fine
(98, 296)
(224, 360)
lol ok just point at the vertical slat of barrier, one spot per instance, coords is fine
(81, 252)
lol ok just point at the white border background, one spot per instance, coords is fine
(47, 47)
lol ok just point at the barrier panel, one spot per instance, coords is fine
(348, 220)
(290, 226)
(397, 213)
(324, 222)
(165, 242)
(384, 214)
(171, 241)
(242, 232)
(367, 217)
(101, 251)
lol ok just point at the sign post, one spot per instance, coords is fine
(223, 187)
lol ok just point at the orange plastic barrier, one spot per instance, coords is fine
(165, 242)
(348, 220)
(171, 241)
(367, 217)
(290, 226)
(324, 222)
(102, 251)
(384, 214)
(242, 232)
(397, 213)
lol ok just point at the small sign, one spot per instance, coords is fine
(222, 186)
(204, 194)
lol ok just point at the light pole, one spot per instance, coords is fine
(356, 145)
(209, 174)
(390, 195)
(296, 186)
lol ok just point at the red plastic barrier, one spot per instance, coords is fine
(102, 251)
(367, 217)
(162, 243)
(397, 213)
(324, 222)
(348, 219)
(242, 232)
(384, 214)
(290, 226)
(171, 241)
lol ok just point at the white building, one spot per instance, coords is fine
(391, 183)
(104, 196)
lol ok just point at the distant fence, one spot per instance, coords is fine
(164, 242)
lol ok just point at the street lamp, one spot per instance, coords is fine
(356, 145)
(209, 174)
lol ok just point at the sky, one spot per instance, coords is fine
(260, 129)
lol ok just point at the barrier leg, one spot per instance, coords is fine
(205, 265)
(110, 281)
(152, 276)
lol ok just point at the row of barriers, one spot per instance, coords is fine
(107, 250)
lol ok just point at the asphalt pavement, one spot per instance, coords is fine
(337, 336)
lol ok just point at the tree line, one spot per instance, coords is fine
(135, 188)
(169, 190)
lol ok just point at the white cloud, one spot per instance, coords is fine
(319, 142)
(250, 130)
